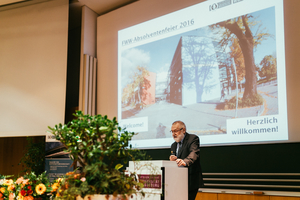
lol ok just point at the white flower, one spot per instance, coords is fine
(83, 179)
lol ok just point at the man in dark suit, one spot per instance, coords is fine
(186, 152)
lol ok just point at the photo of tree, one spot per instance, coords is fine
(205, 76)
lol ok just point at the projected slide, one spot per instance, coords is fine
(219, 66)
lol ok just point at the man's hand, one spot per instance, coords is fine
(180, 163)
(173, 158)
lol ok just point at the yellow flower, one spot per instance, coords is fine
(10, 187)
(8, 182)
(57, 194)
(20, 196)
(40, 189)
(55, 186)
(2, 190)
(59, 180)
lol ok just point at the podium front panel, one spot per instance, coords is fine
(163, 180)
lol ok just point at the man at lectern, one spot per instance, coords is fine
(186, 152)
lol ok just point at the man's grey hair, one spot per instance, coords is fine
(181, 123)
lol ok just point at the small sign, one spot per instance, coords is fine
(58, 167)
(50, 138)
(150, 181)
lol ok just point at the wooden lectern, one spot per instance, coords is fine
(163, 180)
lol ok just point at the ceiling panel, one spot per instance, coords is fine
(4, 2)
(99, 6)
(104, 6)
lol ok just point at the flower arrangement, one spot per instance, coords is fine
(56, 186)
(27, 187)
(101, 148)
(6, 187)
(72, 185)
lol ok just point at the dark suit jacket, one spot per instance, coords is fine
(190, 154)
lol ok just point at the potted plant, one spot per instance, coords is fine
(35, 150)
(101, 148)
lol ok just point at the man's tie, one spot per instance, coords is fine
(178, 148)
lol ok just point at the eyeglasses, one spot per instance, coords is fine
(175, 131)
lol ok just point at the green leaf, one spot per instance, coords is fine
(118, 166)
(90, 154)
(102, 128)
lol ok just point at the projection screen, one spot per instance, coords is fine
(33, 64)
(219, 66)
